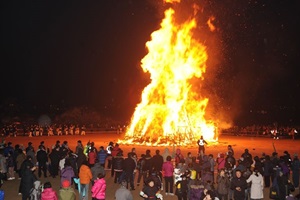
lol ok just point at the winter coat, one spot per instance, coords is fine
(221, 163)
(96, 169)
(35, 192)
(102, 156)
(157, 162)
(150, 192)
(168, 169)
(223, 184)
(239, 182)
(42, 157)
(67, 173)
(117, 163)
(257, 186)
(85, 174)
(49, 194)
(27, 180)
(123, 194)
(99, 188)
(81, 157)
(92, 157)
(267, 167)
(66, 194)
(195, 192)
(20, 159)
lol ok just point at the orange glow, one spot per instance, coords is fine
(171, 111)
(210, 24)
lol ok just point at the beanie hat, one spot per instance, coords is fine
(66, 184)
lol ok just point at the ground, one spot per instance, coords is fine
(256, 146)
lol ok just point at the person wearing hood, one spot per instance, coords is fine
(35, 192)
(27, 181)
(257, 184)
(67, 173)
(97, 169)
(122, 193)
(66, 192)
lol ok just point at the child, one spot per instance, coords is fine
(99, 188)
(48, 192)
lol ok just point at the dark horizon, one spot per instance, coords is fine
(75, 54)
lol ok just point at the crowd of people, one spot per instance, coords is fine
(273, 131)
(168, 173)
(12, 130)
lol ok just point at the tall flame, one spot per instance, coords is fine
(170, 111)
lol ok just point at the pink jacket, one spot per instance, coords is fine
(168, 169)
(99, 188)
(48, 194)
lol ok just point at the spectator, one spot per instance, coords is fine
(257, 185)
(295, 166)
(168, 170)
(67, 173)
(27, 181)
(48, 193)
(238, 185)
(42, 159)
(97, 169)
(85, 176)
(66, 192)
(150, 191)
(117, 166)
(142, 170)
(223, 185)
(99, 188)
(101, 156)
(122, 193)
(157, 162)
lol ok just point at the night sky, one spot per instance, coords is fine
(80, 53)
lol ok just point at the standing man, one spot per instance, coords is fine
(239, 185)
(157, 163)
(42, 159)
(109, 156)
(201, 142)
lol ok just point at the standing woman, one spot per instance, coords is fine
(168, 170)
(99, 188)
(257, 185)
(223, 185)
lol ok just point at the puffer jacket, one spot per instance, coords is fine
(168, 169)
(85, 174)
(48, 194)
(99, 188)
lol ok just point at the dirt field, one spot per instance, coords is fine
(256, 146)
